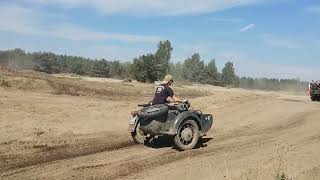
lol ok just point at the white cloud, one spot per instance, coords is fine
(247, 28)
(26, 21)
(315, 9)
(226, 20)
(274, 41)
(17, 19)
(153, 7)
(72, 32)
(113, 52)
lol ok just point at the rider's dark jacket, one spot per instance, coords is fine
(163, 91)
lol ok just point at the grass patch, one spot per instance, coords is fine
(43, 82)
(280, 162)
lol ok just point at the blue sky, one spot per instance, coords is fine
(264, 38)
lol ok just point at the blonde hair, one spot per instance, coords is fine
(167, 79)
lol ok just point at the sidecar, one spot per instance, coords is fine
(178, 120)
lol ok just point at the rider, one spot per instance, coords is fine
(164, 94)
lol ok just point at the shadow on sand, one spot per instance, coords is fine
(167, 141)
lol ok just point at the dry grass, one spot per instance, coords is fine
(280, 162)
(116, 90)
(22, 83)
(279, 169)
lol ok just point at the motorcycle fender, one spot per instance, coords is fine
(133, 123)
(181, 117)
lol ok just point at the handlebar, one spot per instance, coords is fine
(145, 105)
(175, 102)
(185, 101)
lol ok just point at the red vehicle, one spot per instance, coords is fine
(314, 91)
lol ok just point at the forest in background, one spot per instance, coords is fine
(146, 68)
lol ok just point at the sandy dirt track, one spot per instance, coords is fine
(255, 134)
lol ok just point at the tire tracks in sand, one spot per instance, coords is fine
(139, 160)
(118, 158)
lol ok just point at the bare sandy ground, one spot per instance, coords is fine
(256, 135)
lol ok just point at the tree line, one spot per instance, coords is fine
(145, 68)
(52, 63)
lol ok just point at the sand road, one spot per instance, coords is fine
(255, 136)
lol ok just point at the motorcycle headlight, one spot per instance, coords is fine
(187, 104)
